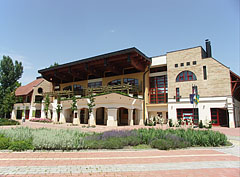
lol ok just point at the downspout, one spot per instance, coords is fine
(144, 114)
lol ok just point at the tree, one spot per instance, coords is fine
(55, 64)
(46, 105)
(10, 73)
(59, 107)
(74, 103)
(91, 103)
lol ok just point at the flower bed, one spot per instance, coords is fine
(8, 122)
(44, 120)
(61, 139)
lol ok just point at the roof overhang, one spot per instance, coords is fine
(97, 66)
(235, 85)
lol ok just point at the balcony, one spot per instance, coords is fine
(125, 89)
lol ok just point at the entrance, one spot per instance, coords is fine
(219, 117)
(100, 116)
(122, 116)
(187, 114)
(26, 114)
(19, 114)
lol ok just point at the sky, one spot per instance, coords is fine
(41, 32)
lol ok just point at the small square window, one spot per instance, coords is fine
(194, 62)
(188, 63)
(182, 64)
(176, 65)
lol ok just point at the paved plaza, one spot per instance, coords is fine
(186, 162)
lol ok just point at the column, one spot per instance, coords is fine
(92, 117)
(85, 116)
(112, 117)
(231, 118)
(14, 114)
(54, 118)
(43, 115)
(76, 119)
(140, 117)
(105, 116)
(62, 116)
(130, 117)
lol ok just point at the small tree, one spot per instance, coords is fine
(74, 103)
(91, 103)
(46, 105)
(59, 107)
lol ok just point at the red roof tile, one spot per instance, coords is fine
(26, 89)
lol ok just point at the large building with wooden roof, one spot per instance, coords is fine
(130, 88)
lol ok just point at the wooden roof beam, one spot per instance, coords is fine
(137, 64)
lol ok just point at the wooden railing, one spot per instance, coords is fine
(126, 88)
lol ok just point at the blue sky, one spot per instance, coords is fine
(41, 32)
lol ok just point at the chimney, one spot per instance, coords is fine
(208, 48)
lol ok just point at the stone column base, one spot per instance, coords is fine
(112, 123)
(76, 121)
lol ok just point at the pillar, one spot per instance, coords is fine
(62, 116)
(112, 117)
(105, 116)
(54, 118)
(85, 116)
(231, 118)
(92, 117)
(140, 117)
(76, 116)
(14, 114)
(43, 115)
(130, 116)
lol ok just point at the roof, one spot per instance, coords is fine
(26, 89)
(120, 52)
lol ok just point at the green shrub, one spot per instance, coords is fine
(162, 144)
(20, 145)
(8, 122)
(200, 125)
(4, 142)
(170, 123)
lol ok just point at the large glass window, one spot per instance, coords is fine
(95, 84)
(78, 89)
(130, 81)
(188, 114)
(115, 82)
(68, 88)
(158, 89)
(186, 76)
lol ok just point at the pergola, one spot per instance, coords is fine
(235, 85)
(111, 64)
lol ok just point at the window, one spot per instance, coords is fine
(68, 88)
(95, 84)
(182, 64)
(130, 81)
(194, 62)
(158, 89)
(78, 89)
(176, 65)
(186, 76)
(115, 82)
(158, 69)
(177, 95)
(204, 72)
(40, 90)
(188, 63)
(187, 114)
(38, 99)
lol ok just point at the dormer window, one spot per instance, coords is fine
(186, 76)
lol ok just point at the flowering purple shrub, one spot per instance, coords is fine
(41, 120)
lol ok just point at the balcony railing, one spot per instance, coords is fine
(126, 89)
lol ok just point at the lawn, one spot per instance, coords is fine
(24, 138)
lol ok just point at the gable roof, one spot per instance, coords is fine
(26, 89)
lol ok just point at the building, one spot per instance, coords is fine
(29, 99)
(130, 87)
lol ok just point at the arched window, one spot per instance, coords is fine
(115, 82)
(186, 76)
(130, 81)
(68, 88)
